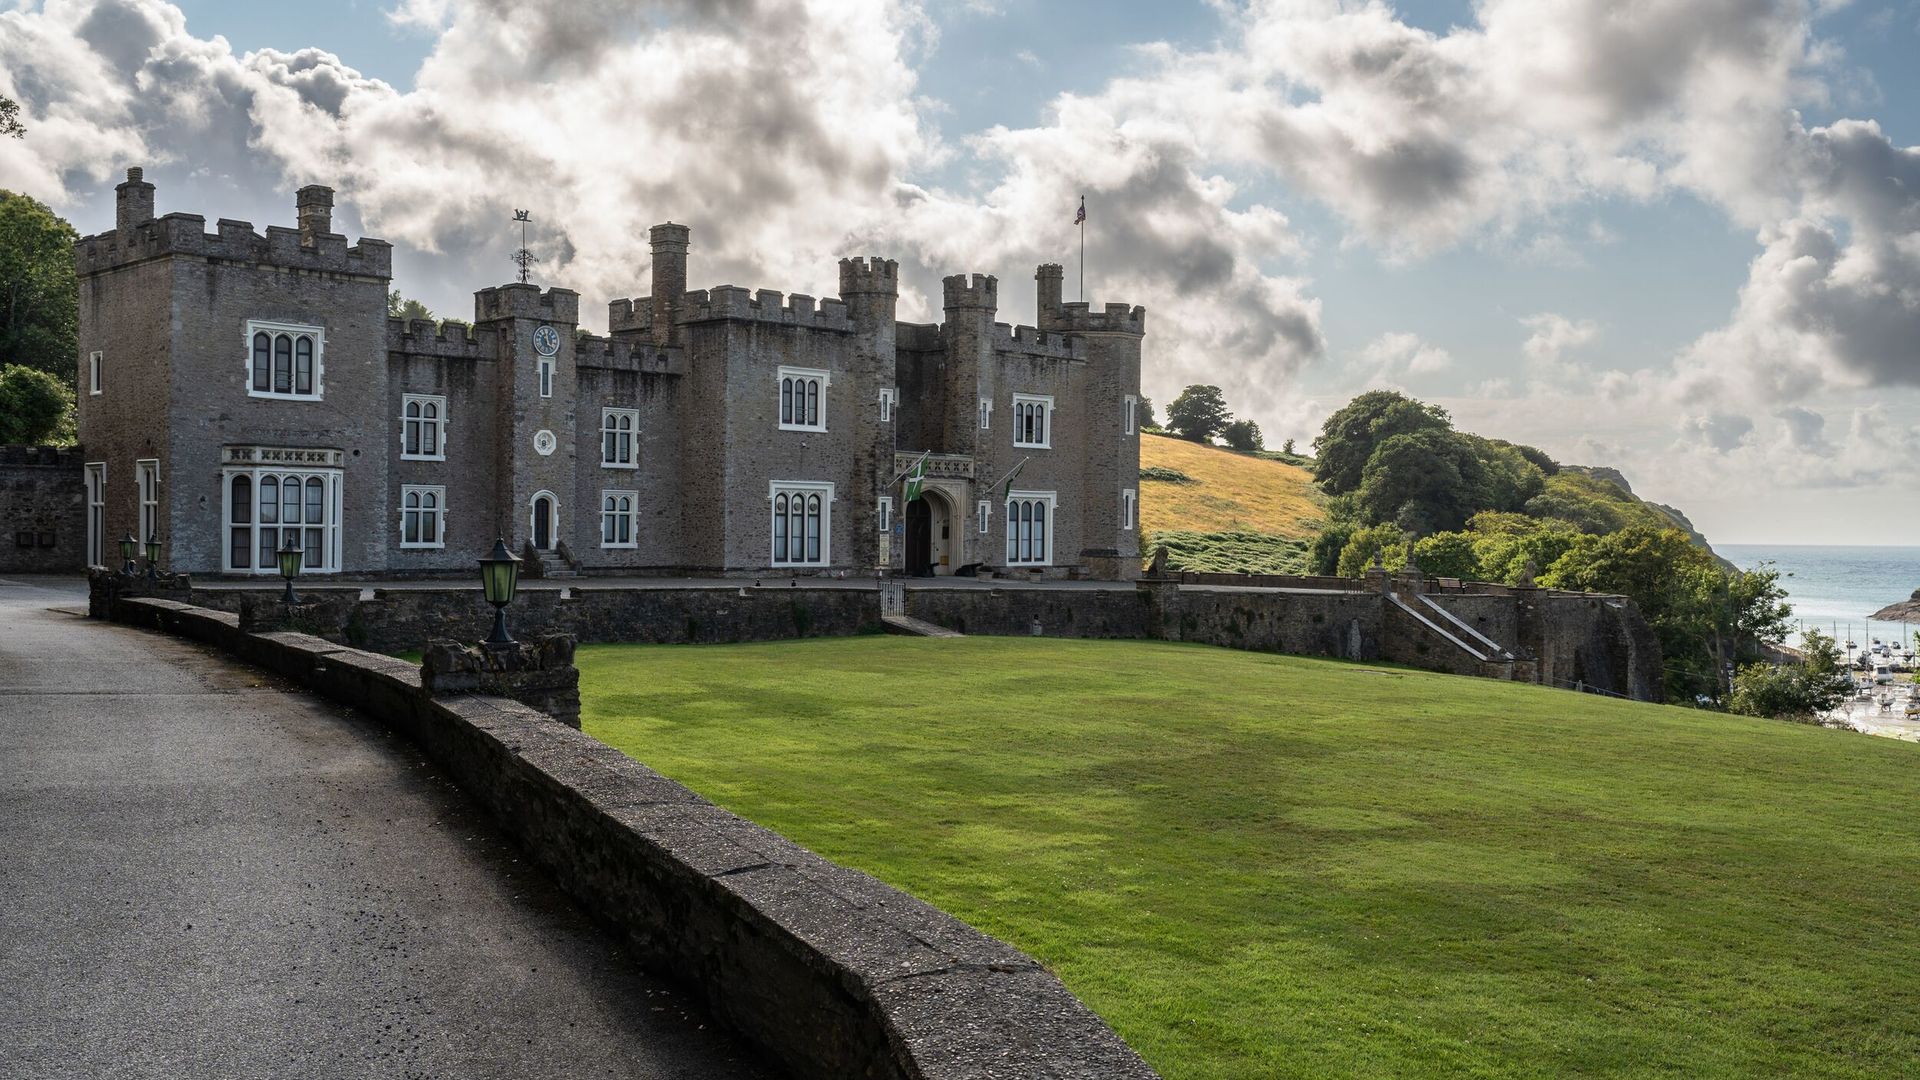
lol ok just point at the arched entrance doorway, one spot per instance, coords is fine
(545, 521)
(929, 541)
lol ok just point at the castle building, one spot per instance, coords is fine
(241, 392)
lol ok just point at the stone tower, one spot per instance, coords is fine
(871, 290)
(535, 403)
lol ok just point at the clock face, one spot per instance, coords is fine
(544, 442)
(546, 340)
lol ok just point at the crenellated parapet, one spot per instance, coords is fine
(522, 300)
(449, 341)
(630, 315)
(869, 276)
(1031, 341)
(234, 242)
(765, 305)
(66, 458)
(616, 354)
(978, 291)
(1080, 318)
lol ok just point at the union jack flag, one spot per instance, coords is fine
(1082, 215)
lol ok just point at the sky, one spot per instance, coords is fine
(1680, 238)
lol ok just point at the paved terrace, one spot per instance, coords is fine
(205, 875)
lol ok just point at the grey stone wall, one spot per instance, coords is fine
(43, 510)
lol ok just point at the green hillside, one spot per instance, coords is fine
(1218, 510)
(1262, 866)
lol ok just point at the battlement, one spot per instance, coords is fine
(452, 341)
(46, 457)
(613, 354)
(983, 291)
(1080, 318)
(233, 242)
(869, 275)
(764, 305)
(1031, 341)
(625, 316)
(918, 337)
(522, 300)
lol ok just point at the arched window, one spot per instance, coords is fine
(803, 394)
(411, 427)
(303, 365)
(802, 522)
(283, 364)
(240, 519)
(262, 362)
(813, 403)
(813, 528)
(779, 528)
(422, 430)
(421, 520)
(1027, 529)
(786, 401)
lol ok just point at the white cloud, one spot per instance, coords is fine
(1552, 335)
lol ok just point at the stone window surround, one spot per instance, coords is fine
(888, 398)
(96, 484)
(439, 421)
(986, 414)
(434, 511)
(94, 360)
(146, 473)
(545, 373)
(801, 377)
(608, 428)
(295, 330)
(983, 517)
(610, 518)
(1023, 405)
(1048, 499)
(533, 530)
(329, 526)
(885, 512)
(1129, 508)
(1132, 405)
(806, 489)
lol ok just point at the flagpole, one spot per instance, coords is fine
(1083, 249)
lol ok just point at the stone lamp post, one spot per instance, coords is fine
(153, 558)
(129, 547)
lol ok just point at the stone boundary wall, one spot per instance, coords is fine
(832, 973)
(404, 620)
(43, 510)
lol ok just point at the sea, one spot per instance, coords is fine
(1837, 587)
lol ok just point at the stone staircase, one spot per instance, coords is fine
(907, 624)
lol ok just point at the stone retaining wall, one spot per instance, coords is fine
(43, 511)
(834, 974)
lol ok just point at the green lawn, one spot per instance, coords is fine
(1259, 866)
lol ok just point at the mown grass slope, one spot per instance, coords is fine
(1232, 512)
(1261, 866)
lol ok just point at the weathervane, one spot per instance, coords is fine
(524, 257)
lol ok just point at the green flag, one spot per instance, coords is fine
(915, 477)
(1006, 486)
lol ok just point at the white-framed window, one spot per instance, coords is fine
(1131, 406)
(546, 376)
(147, 475)
(423, 516)
(1033, 420)
(266, 508)
(803, 399)
(423, 427)
(1029, 532)
(96, 513)
(802, 527)
(887, 398)
(983, 516)
(1129, 504)
(93, 372)
(618, 512)
(617, 427)
(285, 360)
(986, 413)
(885, 513)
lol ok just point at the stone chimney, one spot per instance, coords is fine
(133, 201)
(669, 278)
(314, 204)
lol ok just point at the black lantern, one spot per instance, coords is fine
(153, 556)
(499, 576)
(129, 547)
(291, 556)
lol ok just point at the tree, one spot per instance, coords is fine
(1287, 447)
(1243, 435)
(35, 407)
(1800, 691)
(399, 307)
(1425, 481)
(10, 118)
(39, 298)
(1198, 414)
(1385, 541)
(1146, 413)
(1350, 436)
(1448, 554)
